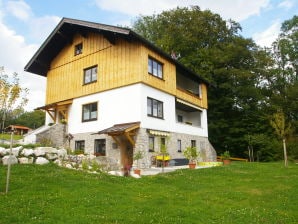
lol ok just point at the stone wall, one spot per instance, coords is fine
(56, 135)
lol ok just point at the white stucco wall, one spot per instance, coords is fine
(129, 104)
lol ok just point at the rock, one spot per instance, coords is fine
(23, 160)
(39, 151)
(3, 151)
(50, 150)
(51, 156)
(135, 175)
(41, 161)
(69, 166)
(62, 153)
(27, 152)
(15, 151)
(12, 159)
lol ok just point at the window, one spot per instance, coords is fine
(89, 112)
(99, 147)
(79, 145)
(162, 144)
(180, 119)
(151, 144)
(155, 68)
(179, 146)
(193, 143)
(78, 49)
(90, 75)
(154, 108)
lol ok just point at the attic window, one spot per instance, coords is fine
(155, 68)
(78, 49)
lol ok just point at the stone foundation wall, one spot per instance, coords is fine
(206, 150)
(56, 135)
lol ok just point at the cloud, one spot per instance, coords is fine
(19, 9)
(16, 55)
(268, 36)
(18, 52)
(41, 27)
(237, 10)
(287, 4)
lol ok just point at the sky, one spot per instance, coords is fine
(25, 24)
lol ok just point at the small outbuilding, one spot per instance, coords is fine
(18, 129)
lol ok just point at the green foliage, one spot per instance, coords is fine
(46, 142)
(249, 83)
(226, 155)
(12, 96)
(34, 119)
(240, 193)
(191, 154)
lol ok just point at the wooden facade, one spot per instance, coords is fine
(119, 64)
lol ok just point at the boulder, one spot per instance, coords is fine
(50, 150)
(16, 150)
(3, 151)
(27, 152)
(41, 161)
(12, 159)
(23, 160)
(62, 153)
(39, 151)
(51, 156)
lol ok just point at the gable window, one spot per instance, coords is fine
(90, 74)
(80, 145)
(99, 147)
(89, 112)
(154, 108)
(78, 49)
(155, 68)
(151, 144)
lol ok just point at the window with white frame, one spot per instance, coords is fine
(154, 108)
(89, 112)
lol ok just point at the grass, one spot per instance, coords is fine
(8, 136)
(239, 193)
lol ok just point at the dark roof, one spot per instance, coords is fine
(120, 128)
(67, 28)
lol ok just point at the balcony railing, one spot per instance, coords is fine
(189, 97)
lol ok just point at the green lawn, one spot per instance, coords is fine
(239, 193)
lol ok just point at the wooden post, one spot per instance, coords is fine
(9, 162)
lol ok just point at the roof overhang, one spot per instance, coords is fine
(126, 129)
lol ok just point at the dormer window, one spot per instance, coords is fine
(78, 49)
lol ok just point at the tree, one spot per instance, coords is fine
(12, 96)
(282, 130)
(212, 47)
(33, 119)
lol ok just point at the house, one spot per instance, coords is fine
(114, 93)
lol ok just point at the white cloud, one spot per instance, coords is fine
(19, 9)
(237, 10)
(17, 53)
(287, 4)
(40, 28)
(268, 36)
